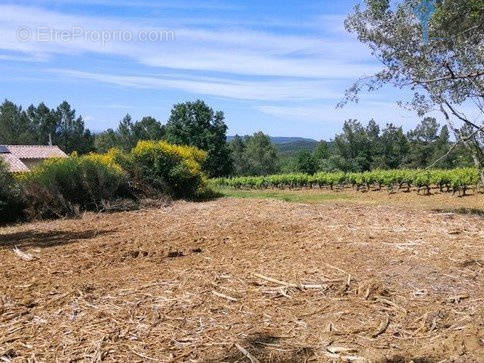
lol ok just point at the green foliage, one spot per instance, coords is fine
(456, 179)
(292, 197)
(129, 133)
(196, 124)
(15, 127)
(66, 186)
(106, 140)
(71, 134)
(61, 187)
(306, 163)
(254, 155)
(169, 169)
(239, 160)
(39, 125)
(443, 69)
(11, 199)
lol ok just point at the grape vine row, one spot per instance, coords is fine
(455, 180)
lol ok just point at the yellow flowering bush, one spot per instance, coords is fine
(168, 168)
(65, 186)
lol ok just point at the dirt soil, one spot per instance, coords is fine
(245, 280)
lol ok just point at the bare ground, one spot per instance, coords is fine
(245, 280)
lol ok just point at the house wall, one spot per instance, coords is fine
(31, 163)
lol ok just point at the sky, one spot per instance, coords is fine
(276, 66)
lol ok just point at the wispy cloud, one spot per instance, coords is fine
(278, 90)
(237, 51)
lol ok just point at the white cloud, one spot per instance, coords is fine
(237, 51)
(278, 90)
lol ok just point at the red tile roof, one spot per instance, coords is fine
(14, 163)
(35, 151)
(17, 153)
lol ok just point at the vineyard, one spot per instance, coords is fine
(455, 181)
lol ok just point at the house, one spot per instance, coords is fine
(21, 158)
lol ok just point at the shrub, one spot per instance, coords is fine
(169, 169)
(60, 187)
(11, 200)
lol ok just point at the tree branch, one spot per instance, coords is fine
(481, 129)
(459, 116)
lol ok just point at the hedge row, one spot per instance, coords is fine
(447, 180)
(66, 186)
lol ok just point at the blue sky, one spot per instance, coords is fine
(276, 66)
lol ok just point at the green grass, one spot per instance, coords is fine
(293, 197)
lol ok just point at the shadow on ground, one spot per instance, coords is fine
(474, 211)
(38, 239)
(264, 347)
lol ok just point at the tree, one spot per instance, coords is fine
(395, 147)
(422, 140)
(15, 126)
(45, 122)
(305, 162)
(106, 140)
(352, 148)
(322, 150)
(196, 124)
(71, 133)
(126, 138)
(128, 133)
(260, 155)
(237, 151)
(148, 128)
(443, 154)
(443, 70)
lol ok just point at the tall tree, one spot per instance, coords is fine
(148, 128)
(71, 132)
(128, 133)
(15, 126)
(260, 155)
(196, 124)
(395, 147)
(45, 122)
(126, 137)
(306, 162)
(352, 147)
(435, 51)
(423, 142)
(106, 140)
(237, 151)
(443, 155)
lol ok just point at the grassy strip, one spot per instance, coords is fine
(293, 197)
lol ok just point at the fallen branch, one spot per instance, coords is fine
(391, 303)
(382, 328)
(219, 294)
(336, 350)
(289, 284)
(247, 354)
(338, 269)
(345, 358)
(143, 356)
(270, 279)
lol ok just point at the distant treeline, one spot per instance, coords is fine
(357, 148)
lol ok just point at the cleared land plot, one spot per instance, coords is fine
(245, 279)
(437, 202)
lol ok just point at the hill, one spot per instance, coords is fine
(290, 145)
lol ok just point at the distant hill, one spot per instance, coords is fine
(290, 145)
